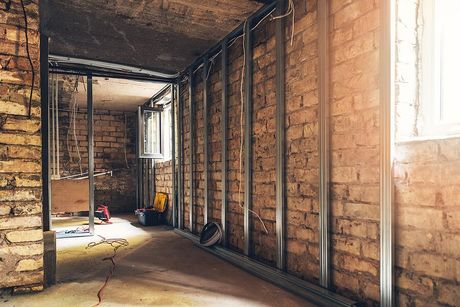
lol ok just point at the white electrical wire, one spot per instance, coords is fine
(241, 133)
(74, 119)
(69, 130)
(290, 10)
(74, 116)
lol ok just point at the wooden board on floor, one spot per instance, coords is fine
(69, 195)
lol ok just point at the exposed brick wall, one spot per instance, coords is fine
(427, 184)
(302, 173)
(407, 82)
(198, 140)
(263, 143)
(355, 149)
(302, 176)
(427, 227)
(163, 183)
(355, 159)
(21, 235)
(235, 212)
(111, 139)
(215, 141)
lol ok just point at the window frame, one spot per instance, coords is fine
(431, 77)
(141, 128)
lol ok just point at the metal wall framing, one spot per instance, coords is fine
(324, 160)
(46, 179)
(248, 75)
(387, 42)
(192, 147)
(314, 292)
(180, 155)
(224, 123)
(280, 137)
(173, 154)
(89, 89)
(206, 138)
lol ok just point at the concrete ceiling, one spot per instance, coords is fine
(161, 35)
(118, 94)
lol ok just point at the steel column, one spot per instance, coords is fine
(46, 179)
(324, 199)
(248, 75)
(387, 60)
(149, 186)
(173, 153)
(280, 137)
(206, 138)
(224, 123)
(138, 186)
(180, 119)
(89, 89)
(192, 148)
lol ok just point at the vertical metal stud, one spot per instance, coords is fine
(324, 199)
(387, 56)
(90, 151)
(149, 181)
(280, 137)
(192, 148)
(224, 123)
(248, 137)
(173, 154)
(180, 154)
(46, 179)
(206, 138)
(154, 181)
(138, 186)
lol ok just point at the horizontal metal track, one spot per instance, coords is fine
(77, 66)
(309, 291)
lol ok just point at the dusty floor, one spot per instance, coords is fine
(158, 268)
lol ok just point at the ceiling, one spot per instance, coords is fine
(160, 35)
(118, 94)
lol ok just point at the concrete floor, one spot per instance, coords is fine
(158, 268)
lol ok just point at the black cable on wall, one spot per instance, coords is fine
(26, 30)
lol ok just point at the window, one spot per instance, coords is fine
(155, 129)
(441, 66)
(150, 145)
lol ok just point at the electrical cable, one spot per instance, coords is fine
(290, 10)
(242, 130)
(69, 130)
(74, 119)
(26, 30)
(115, 243)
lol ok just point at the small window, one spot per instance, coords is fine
(441, 65)
(150, 133)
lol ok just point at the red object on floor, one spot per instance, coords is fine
(103, 213)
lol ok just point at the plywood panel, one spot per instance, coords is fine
(69, 195)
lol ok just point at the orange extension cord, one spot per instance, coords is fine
(116, 244)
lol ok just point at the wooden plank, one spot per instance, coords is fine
(69, 195)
